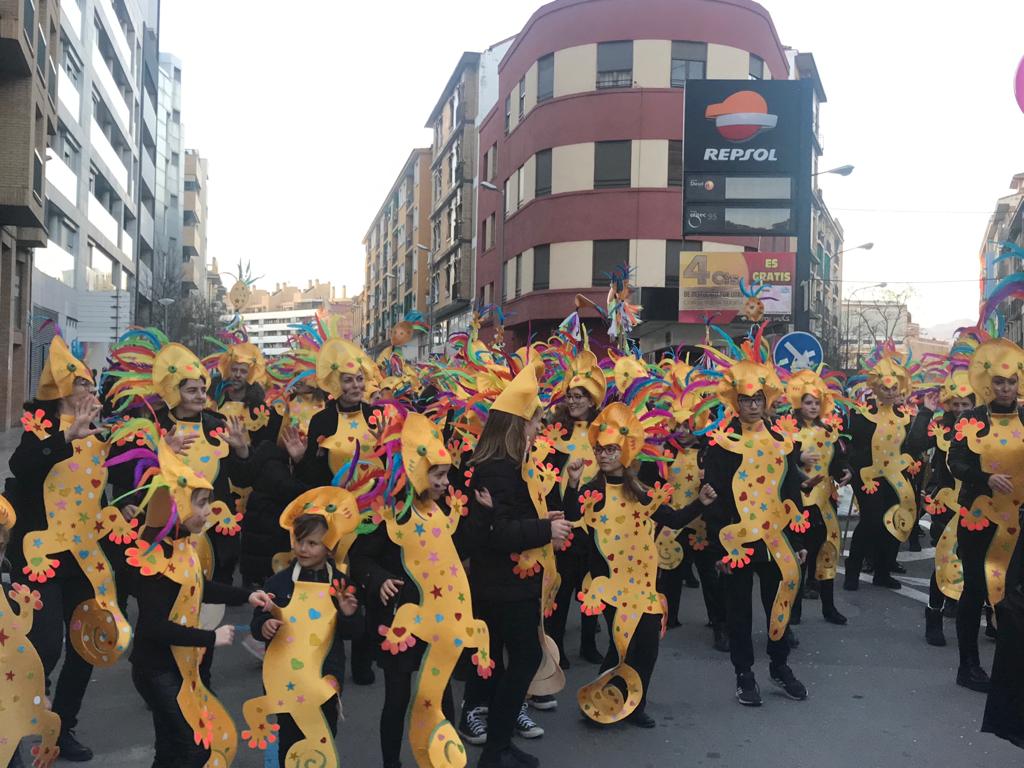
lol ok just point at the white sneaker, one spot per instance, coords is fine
(525, 727)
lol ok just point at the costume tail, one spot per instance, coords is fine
(99, 631)
(617, 692)
(434, 740)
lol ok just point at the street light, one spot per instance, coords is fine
(842, 170)
(846, 335)
(861, 247)
(165, 303)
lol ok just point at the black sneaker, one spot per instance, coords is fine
(748, 693)
(524, 758)
(71, 749)
(641, 720)
(886, 581)
(591, 654)
(783, 677)
(832, 616)
(525, 726)
(898, 568)
(973, 678)
(851, 583)
(473, 726)
(542, 703)
(504, 758)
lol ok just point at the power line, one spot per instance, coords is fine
(912, 210)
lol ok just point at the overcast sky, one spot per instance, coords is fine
(307, 111)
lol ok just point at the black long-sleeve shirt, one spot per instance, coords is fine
(281, 585)
(155, 633)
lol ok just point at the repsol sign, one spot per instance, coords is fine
(738, 154)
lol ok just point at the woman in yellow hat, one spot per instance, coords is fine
(620, 514)
(507, 600)
(987, 456)
(59, 473)
(824, 463)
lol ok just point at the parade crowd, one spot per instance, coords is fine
(422, 523)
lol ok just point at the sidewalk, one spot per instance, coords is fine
(9, 440)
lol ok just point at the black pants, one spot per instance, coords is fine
(226, 550)
(572, 567)
(971, 546)
(814, 539)
(739, 588)
(397, 695)
(289, 734)
(175, 743)
(939, 522)
(872, 539)
(51, 634)
(641, 653)
(514, 630)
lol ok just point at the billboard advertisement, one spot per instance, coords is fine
(709, 284)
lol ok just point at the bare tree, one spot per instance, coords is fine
(876, 320)
(189, 319)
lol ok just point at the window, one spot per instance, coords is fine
(522, 97)
(608, 254)
(541, 267)
(519, 275)
(191, 185)
(545, 77)
(492, 164)
(543, 173)
(612, 164)
(485, 161)
(615, 64)
(508, 113)
(675, 163)
(689, 61)
(489, 231)
(756, 67)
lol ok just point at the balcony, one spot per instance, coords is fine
(67, 93)
(148, 171)
(111, 159)
(55, 262)
(149, 115)
(101, 218)
(116, 33)
(192, 203)
(127, 245)
(115, 99)
(63, 179)
(144, 280)
(146, 227)
(188, 274)
(73, 13)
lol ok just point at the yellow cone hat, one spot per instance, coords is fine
(521, 396)
(60, 372)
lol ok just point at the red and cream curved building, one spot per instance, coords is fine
(584, 149)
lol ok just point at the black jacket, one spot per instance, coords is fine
(862, 430)
(512, 526)
(315, 468)
(155, 633)
(965, 464)
(281, 586)
(274, 489)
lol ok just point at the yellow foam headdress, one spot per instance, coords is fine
(247, 354)
(60, 372)
(996, 357)
(521, 395)
(339, 357)
(807, 382)
(337, 506)
(618, 425)
(887, 372)
(171, 500)
(585, 373)
(422, 448)
(7, 515)
(627, 369)
(957, 384)
(747, 378)
(173, 364)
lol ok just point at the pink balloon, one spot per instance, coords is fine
(1018, 87)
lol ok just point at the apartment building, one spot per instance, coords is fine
(193, 233)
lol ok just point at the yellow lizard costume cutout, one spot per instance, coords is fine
(209, 720)
(888, 464)
(817, 439)
(1001, 451)
(764, 514)
(683, 475)
(23, 691)
(77, 523)
(293, 664)
(540, 479)
(443, 617)
(949, 570)
(624, 535)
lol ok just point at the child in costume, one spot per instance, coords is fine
(614, 508)
(987, 456)
(192, 728)
(823, 459)
(313, 612)
(59, 480)
(506, 598)
(418, 594)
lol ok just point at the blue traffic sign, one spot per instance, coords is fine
(798, 351)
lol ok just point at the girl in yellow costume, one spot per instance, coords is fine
(620, 513)
(987, 456)
(167, 382)
(824, 463)
(192, 727)
(418, 596)
(60, 476)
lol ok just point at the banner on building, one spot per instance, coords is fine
(709, 284)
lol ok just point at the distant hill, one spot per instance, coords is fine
(945, 330)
